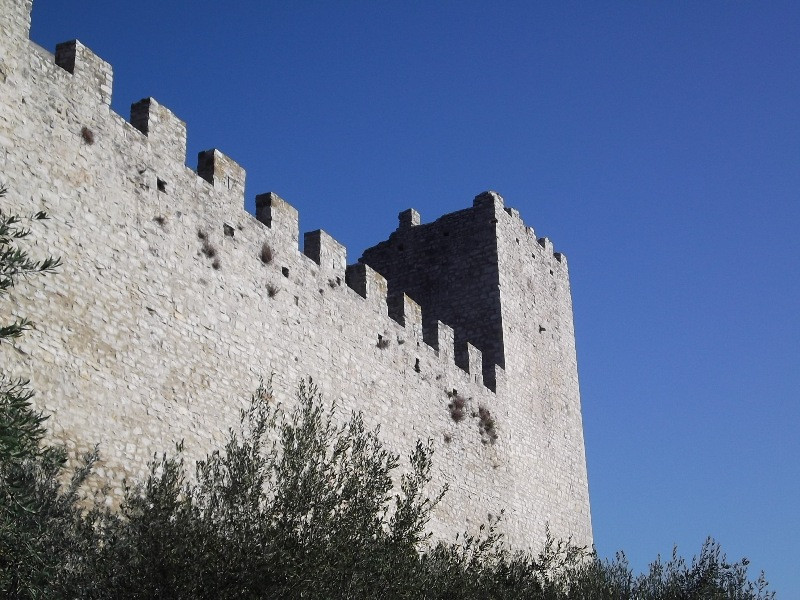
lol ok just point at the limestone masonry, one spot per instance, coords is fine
(173, 301)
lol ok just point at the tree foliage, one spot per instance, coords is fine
(21, 428)
(296, 506)
(293, 506)
(15, 262)
(31, 501)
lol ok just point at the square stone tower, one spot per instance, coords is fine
(505, 293)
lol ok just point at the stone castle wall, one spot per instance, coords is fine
(165, 313)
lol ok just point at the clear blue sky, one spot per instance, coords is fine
(657, 144)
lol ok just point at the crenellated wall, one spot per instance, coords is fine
(173, 301)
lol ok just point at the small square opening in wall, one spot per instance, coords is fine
(161, 185)
(285, 271)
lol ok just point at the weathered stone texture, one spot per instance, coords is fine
(167, 312)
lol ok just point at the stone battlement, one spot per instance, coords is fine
(173, 301)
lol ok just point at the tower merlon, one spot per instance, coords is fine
(324, 250)
(546, 244)
(280, 216)
(475, 363)
(404, 310)
(408, 218)
(95, 74)
(488, 198)
(224, 173)
(369, 284)
(494, 377)
(165, 131)
(441, 338)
